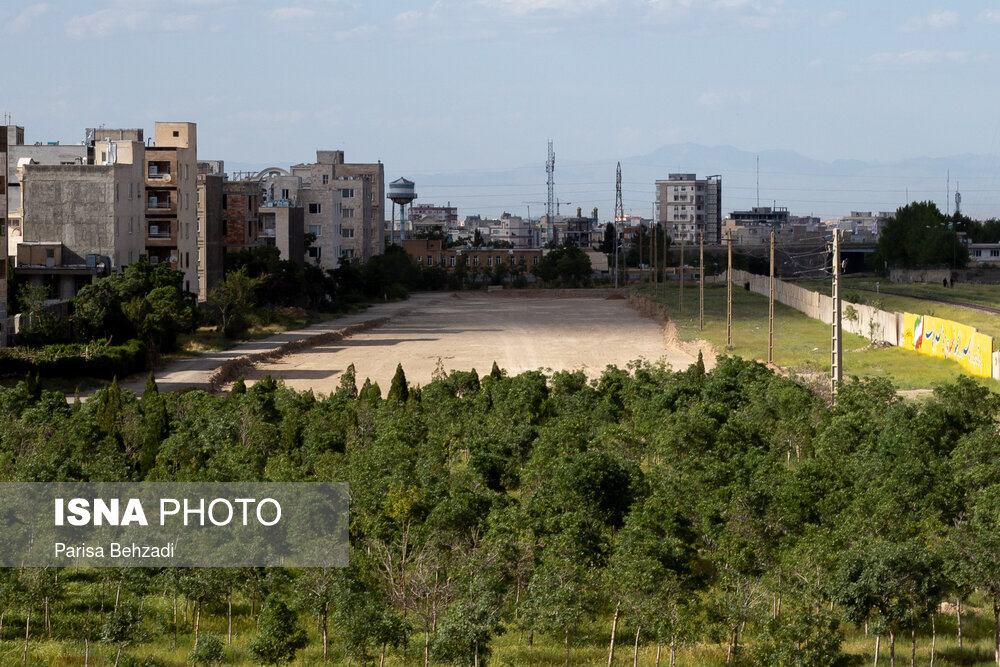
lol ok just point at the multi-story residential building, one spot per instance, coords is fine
(345, 201)
(444, 215)
(574, 230)
(241, 199)
(171, 178)
(210, 265)
(515, 230)
(690, 206)
(52, 153)
(761, 216)
(865, 226)
(282, 226)
(3, 236)
(81, 220)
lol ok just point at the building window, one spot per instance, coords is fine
(430, 260)
(347, 213)
(130, 225)
(116, 192)
(489, 261)
(130, 191)
(534, 260)
(994, 253)
(978, 253)
(316, 230)
(315, 208)
(284, 193)
(347, 232)
(187, 200)
(185, 172)
(315, 253)
(475, 260)
(326, 179)
(347, 193)
(451, 261)
(347, 252)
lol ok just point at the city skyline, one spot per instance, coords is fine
(438, 88)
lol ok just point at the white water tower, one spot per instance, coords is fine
(401, 193)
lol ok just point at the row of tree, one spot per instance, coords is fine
(731, 507)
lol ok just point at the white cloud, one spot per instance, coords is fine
(989, 16)
(292, 14)
(23, 21)
(529, 7)
(936, 20)
(921, 58)
(125, 17)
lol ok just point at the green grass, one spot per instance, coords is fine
(864, 287)
(801, 344)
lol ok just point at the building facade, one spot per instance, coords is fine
(689, 206)
(171, 178)
(210, 264)
(430, 253)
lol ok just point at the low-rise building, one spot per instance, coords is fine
(431, 252)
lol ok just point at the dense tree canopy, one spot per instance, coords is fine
(920, 235)
(731, 507)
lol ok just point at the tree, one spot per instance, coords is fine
(235, 297)
(567, 263)
(398, 391)
(279, 636)
(122, 629)
(919, 235)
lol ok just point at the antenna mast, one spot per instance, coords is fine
(550, 169)
(619, 215)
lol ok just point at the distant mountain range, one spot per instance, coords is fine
(805, 186)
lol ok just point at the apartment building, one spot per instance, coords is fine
(343, 202)
(3, 236)
(171, 211)
(79, 221)
(210, 267)
(689, 206)
(515, 230)
(241, 199)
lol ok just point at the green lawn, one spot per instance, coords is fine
(801, 344)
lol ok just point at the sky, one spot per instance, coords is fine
(443, 87)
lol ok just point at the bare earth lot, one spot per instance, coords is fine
(466, 331)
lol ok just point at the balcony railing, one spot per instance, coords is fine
(159, 233)
(158, 204)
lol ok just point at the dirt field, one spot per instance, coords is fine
(466, 331)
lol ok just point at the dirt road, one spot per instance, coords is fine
(472, 330)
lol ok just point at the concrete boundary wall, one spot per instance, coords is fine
(871, 323)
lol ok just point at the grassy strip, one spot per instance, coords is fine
(801, 344)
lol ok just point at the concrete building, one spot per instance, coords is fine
(515, 230)
(171, 178)
(50, 153)
(984, 254)
(430, 252)
(444, 215)
(574, 230)
(3, 235)
(282, 226)
(761, 216)
(690, 206)
(79, 221)
(241, 200)
(210, 263)
(865, 226)
(346, 202)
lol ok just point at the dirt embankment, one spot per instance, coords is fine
(671, 336)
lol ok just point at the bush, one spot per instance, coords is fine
(97, 359)
(208, 652)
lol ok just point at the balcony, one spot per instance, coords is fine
(160, 201)
(159, 172)
(160, 234)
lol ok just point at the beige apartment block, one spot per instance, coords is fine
(356, 192)
(689, 207)
(3, 236)
(171, 211)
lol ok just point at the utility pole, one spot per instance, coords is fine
(682, 276)
(701, 282)
(837, 365)
(770, 309)
(729, 294)
(653, 277)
